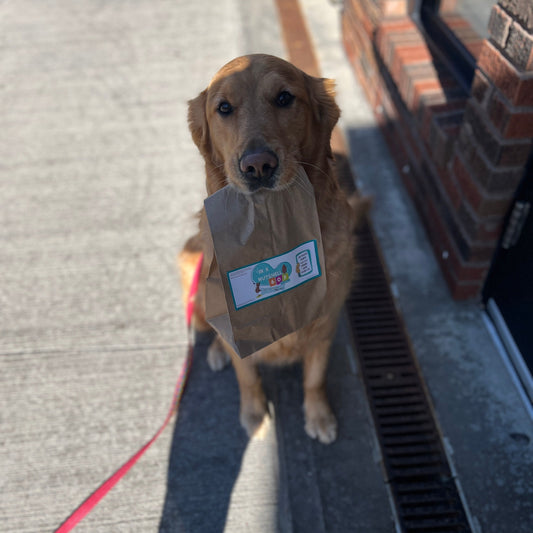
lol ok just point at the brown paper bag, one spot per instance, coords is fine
(268, 279)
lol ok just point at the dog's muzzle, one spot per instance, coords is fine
(258, 168)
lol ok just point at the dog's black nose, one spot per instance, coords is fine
(258, 168)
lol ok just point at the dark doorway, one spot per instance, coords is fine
(509, 288)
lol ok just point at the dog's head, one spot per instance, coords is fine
(260, 118)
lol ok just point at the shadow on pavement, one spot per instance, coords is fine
(315, 487)
(206, 451)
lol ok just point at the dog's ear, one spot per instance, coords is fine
(325, 109)
(198, 122)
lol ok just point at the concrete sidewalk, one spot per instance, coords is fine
(99, 183)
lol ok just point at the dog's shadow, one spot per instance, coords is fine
(310, 483)
(206, 451)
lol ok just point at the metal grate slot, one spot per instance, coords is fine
(414, 462)
(416, 467)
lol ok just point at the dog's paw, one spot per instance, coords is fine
(321, 424)
(255, 423)
(217, 358)
(254, 411)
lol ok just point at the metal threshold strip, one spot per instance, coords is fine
(512, 354)
(417, 471)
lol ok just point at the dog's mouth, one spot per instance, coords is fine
(269, 183)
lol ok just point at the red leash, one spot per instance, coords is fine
(92, 501)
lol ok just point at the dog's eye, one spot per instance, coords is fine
(284, 99)
(224, 108)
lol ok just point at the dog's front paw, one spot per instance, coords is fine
(255, 423)
(217, 358)
(320, 422)
(254, 412)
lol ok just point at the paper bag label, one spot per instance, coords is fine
(275, 275)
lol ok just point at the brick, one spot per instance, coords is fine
(466, 291)
(354, 28)
(481, 88)
(465, 142)
(364, 69)
(512, 122)
(467, 35)
(498, 151)
(498, 111)
(435, 104)
(498, 69)
(482, 252)
(470, 272)
(482, 233)
(412, 74)
(493, 179)
(354, 43)
(428, 110)
(519, 47)
(451, 187)
(439, 144)
(444, 131)
(480, 230)
(394, 8)
(519, 125)
(524, 92)
(475, 47)
(420, 87)
(514, 153)
(449, 216)
(408, 55)
(399, 25)
(517, 88)
(484, 135)
(436, 226)
(470, 190)
(455, 269)
(447, 6)
(494, 207)
(454, 20)
(522, 10)
(464, 32)
(483, 203)
(360, 14)
(499, 26)
(418, 79)
(391, 41)
(388, 107)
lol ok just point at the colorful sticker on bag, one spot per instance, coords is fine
(273, 276)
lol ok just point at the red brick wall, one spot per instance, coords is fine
(461, 154)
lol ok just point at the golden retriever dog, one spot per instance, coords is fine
(257, 121)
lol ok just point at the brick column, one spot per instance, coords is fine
(495, 135)
(461, 155)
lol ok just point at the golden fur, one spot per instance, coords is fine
(297, 133)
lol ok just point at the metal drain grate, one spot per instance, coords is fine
(425, 494)
(415, 464)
